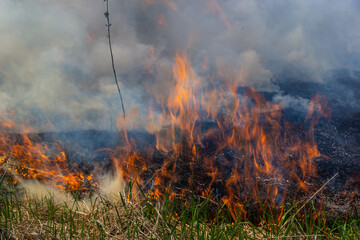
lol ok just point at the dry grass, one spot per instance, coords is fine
(125, 216)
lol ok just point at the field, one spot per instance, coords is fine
(134, 215)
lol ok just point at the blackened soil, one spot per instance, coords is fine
(339, 140)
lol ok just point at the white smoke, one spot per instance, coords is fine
(54, 57)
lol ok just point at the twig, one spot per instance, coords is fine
(292, 217)
(2, 177)
(326, 234)
(298, 236)
(107, 15)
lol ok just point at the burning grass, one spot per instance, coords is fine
(222, 165)
(240, 144)
(128, 216)
(217, 143)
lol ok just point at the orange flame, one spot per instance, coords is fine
(211, 138)
(29, 159)
(263, 146)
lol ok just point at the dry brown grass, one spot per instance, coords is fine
(57, 215)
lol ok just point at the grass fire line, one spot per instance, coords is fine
(214, 151)
(196, 136)
(218, 158)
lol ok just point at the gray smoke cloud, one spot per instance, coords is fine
(55, 63)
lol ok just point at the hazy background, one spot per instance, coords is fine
(55, 63)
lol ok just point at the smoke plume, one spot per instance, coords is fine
(55, 64)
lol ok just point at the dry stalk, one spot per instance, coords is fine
(299, 236)
(107, 15)
(307, 201)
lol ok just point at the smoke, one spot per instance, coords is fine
(112, 186)
(55, 64)
(40, 191)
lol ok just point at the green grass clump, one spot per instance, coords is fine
(138, 216)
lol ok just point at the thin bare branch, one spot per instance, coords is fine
(298, 236)
(307, 201)
(108, 25)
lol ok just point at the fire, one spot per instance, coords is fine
(215, 139)
(23, 156)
